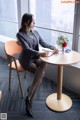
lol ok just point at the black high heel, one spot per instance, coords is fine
(28, 103)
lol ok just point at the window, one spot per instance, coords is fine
(54, 15)
(8, 18)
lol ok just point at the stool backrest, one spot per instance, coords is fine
(12, 47)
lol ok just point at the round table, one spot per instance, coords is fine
(58, 101)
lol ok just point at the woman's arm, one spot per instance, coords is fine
(46, 45)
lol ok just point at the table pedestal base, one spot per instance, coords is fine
(59, 105)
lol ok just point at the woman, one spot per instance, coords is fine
(29, 57)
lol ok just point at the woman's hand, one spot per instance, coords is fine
(43, 54)
(55, 50)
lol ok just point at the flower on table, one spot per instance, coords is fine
(62, 41)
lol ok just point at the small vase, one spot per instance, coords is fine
(63, 49)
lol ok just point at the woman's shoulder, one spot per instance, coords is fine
(21, 33)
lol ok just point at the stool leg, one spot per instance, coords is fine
(9, 78)
(20, 84)
(19, 80)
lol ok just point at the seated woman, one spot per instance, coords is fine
(29, 57)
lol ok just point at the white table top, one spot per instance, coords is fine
(63, 58)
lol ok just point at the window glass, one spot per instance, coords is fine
(51, 36)
(8, 29)
(8, 10)
(55, 15)
(8, 18)
(79, 44)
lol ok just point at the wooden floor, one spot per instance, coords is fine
(13, 104)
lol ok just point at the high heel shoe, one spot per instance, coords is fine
(28, 111)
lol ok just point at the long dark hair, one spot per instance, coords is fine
(26, 18)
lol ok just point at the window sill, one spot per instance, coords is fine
(76, 65)
(3, 38)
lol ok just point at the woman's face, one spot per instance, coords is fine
(32, 23)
